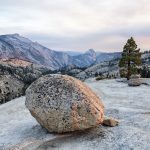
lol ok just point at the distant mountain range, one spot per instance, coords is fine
(16, 46)
(74, 53)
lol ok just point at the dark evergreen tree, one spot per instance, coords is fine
(148, 74)
(144, 72)
(131, 59)
(96, 74)
(100, 74)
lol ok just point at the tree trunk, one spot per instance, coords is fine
(129, 71)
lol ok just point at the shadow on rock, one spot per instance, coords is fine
(68, 139)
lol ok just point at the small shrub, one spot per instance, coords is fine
(99, 78)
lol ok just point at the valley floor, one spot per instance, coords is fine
(130, 105)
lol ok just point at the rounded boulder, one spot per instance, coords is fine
(135, 80)
(62, 103)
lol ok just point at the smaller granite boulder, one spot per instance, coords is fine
(62, 103)
(135, 76)
(135, 80)
(111, 122)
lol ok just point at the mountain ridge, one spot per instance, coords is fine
(16, 46)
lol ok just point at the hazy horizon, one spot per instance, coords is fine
(78, 25)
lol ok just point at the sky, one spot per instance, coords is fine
(78, 25)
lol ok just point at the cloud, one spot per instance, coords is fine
(78, 24)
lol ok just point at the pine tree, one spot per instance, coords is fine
(144, 72)
(131, 59)
(96, 74)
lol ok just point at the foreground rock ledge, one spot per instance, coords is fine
(62, 103)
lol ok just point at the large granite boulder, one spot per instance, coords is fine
(62, 103)
(134, 80)
(10, 88)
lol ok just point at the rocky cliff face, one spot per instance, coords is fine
(108, 69)
(16, 76)
(10, 88)
(88, 58)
